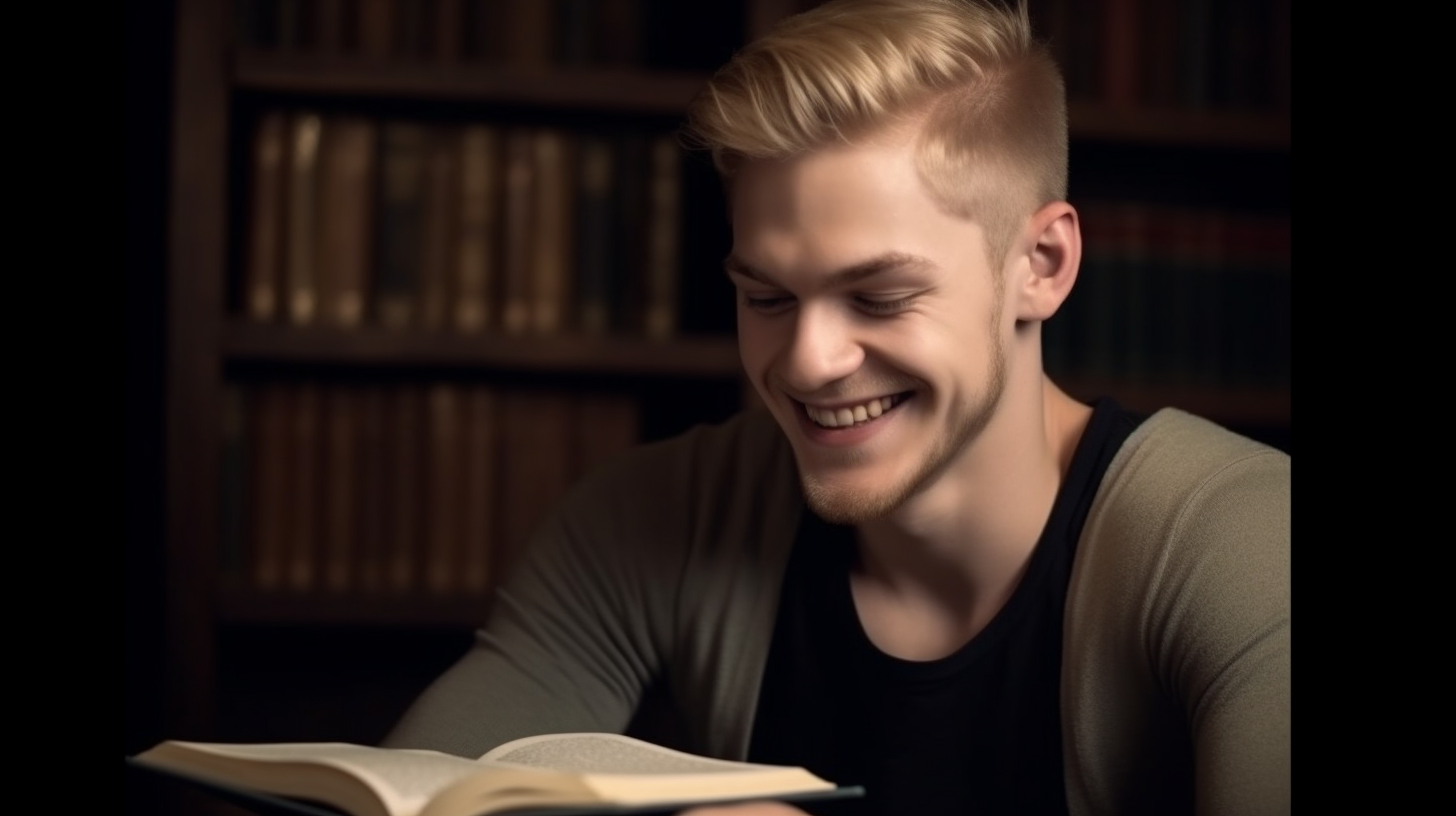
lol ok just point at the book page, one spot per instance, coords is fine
(607, 753)
(403, 779)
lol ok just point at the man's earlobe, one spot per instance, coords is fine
(1054, 251)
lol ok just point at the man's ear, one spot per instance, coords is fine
(1053, 246)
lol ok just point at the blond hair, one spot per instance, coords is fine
(988, 96)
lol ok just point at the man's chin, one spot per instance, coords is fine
(839, 504)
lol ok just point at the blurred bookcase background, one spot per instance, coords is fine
(399, 272)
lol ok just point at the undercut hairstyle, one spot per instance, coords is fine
(987, 95)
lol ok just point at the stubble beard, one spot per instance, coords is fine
(838, 504)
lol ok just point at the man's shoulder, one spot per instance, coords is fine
(1173, 449)
(1180, 478)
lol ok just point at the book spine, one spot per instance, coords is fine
(372, 512)
(551, 246)
(376, 28)
(618, 30)
(1134, 315)
(405, 473)
(401, 205)
(438, 226)
(537, 452)
(1158, 50)
(664, 227)
(447, 39)
(302, 248)
(518, 241)
(233, 482)
(346, 220)
(267, 214)
(1094, 346)
(595, 234)
(479, 484)
(631, 197)
(305, 445)
(443, 472)
(270, 483)
(529, 34)
(607, 424)
(1121, 69)
(478, 258)
(328, 20)
(340, 489)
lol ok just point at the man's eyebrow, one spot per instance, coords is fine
(890, 261)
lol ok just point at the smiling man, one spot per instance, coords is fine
(924, 569)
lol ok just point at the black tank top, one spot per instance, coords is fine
(976, 732)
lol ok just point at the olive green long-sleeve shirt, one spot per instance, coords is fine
(661, 572)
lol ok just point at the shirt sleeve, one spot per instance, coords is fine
(572, 641)
(1176, 682)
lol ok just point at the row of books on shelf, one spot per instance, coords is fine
(1177, 296)
(530, 35)
(1150, 53)
(1191, 54)
(415, 489)
(482, 226)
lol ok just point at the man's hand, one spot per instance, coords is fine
(749, 809)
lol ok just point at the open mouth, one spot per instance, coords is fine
(852, 415)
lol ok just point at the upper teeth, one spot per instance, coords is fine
(842, 417)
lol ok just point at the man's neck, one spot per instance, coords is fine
(935, 572)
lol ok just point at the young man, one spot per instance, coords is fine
(925, 569)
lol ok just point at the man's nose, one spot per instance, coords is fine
(823, 349)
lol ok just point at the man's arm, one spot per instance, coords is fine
(1176, 681)
(569, 644)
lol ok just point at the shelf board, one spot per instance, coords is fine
(688, 356)
(668, 93)
(611, 89)
(1174, 127)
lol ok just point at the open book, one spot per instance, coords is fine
(555, 773)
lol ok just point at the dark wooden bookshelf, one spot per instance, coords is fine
(215, 89)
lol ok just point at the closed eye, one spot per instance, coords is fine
(767, 304)
(883, 307)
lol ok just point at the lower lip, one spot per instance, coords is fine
(842, 437)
